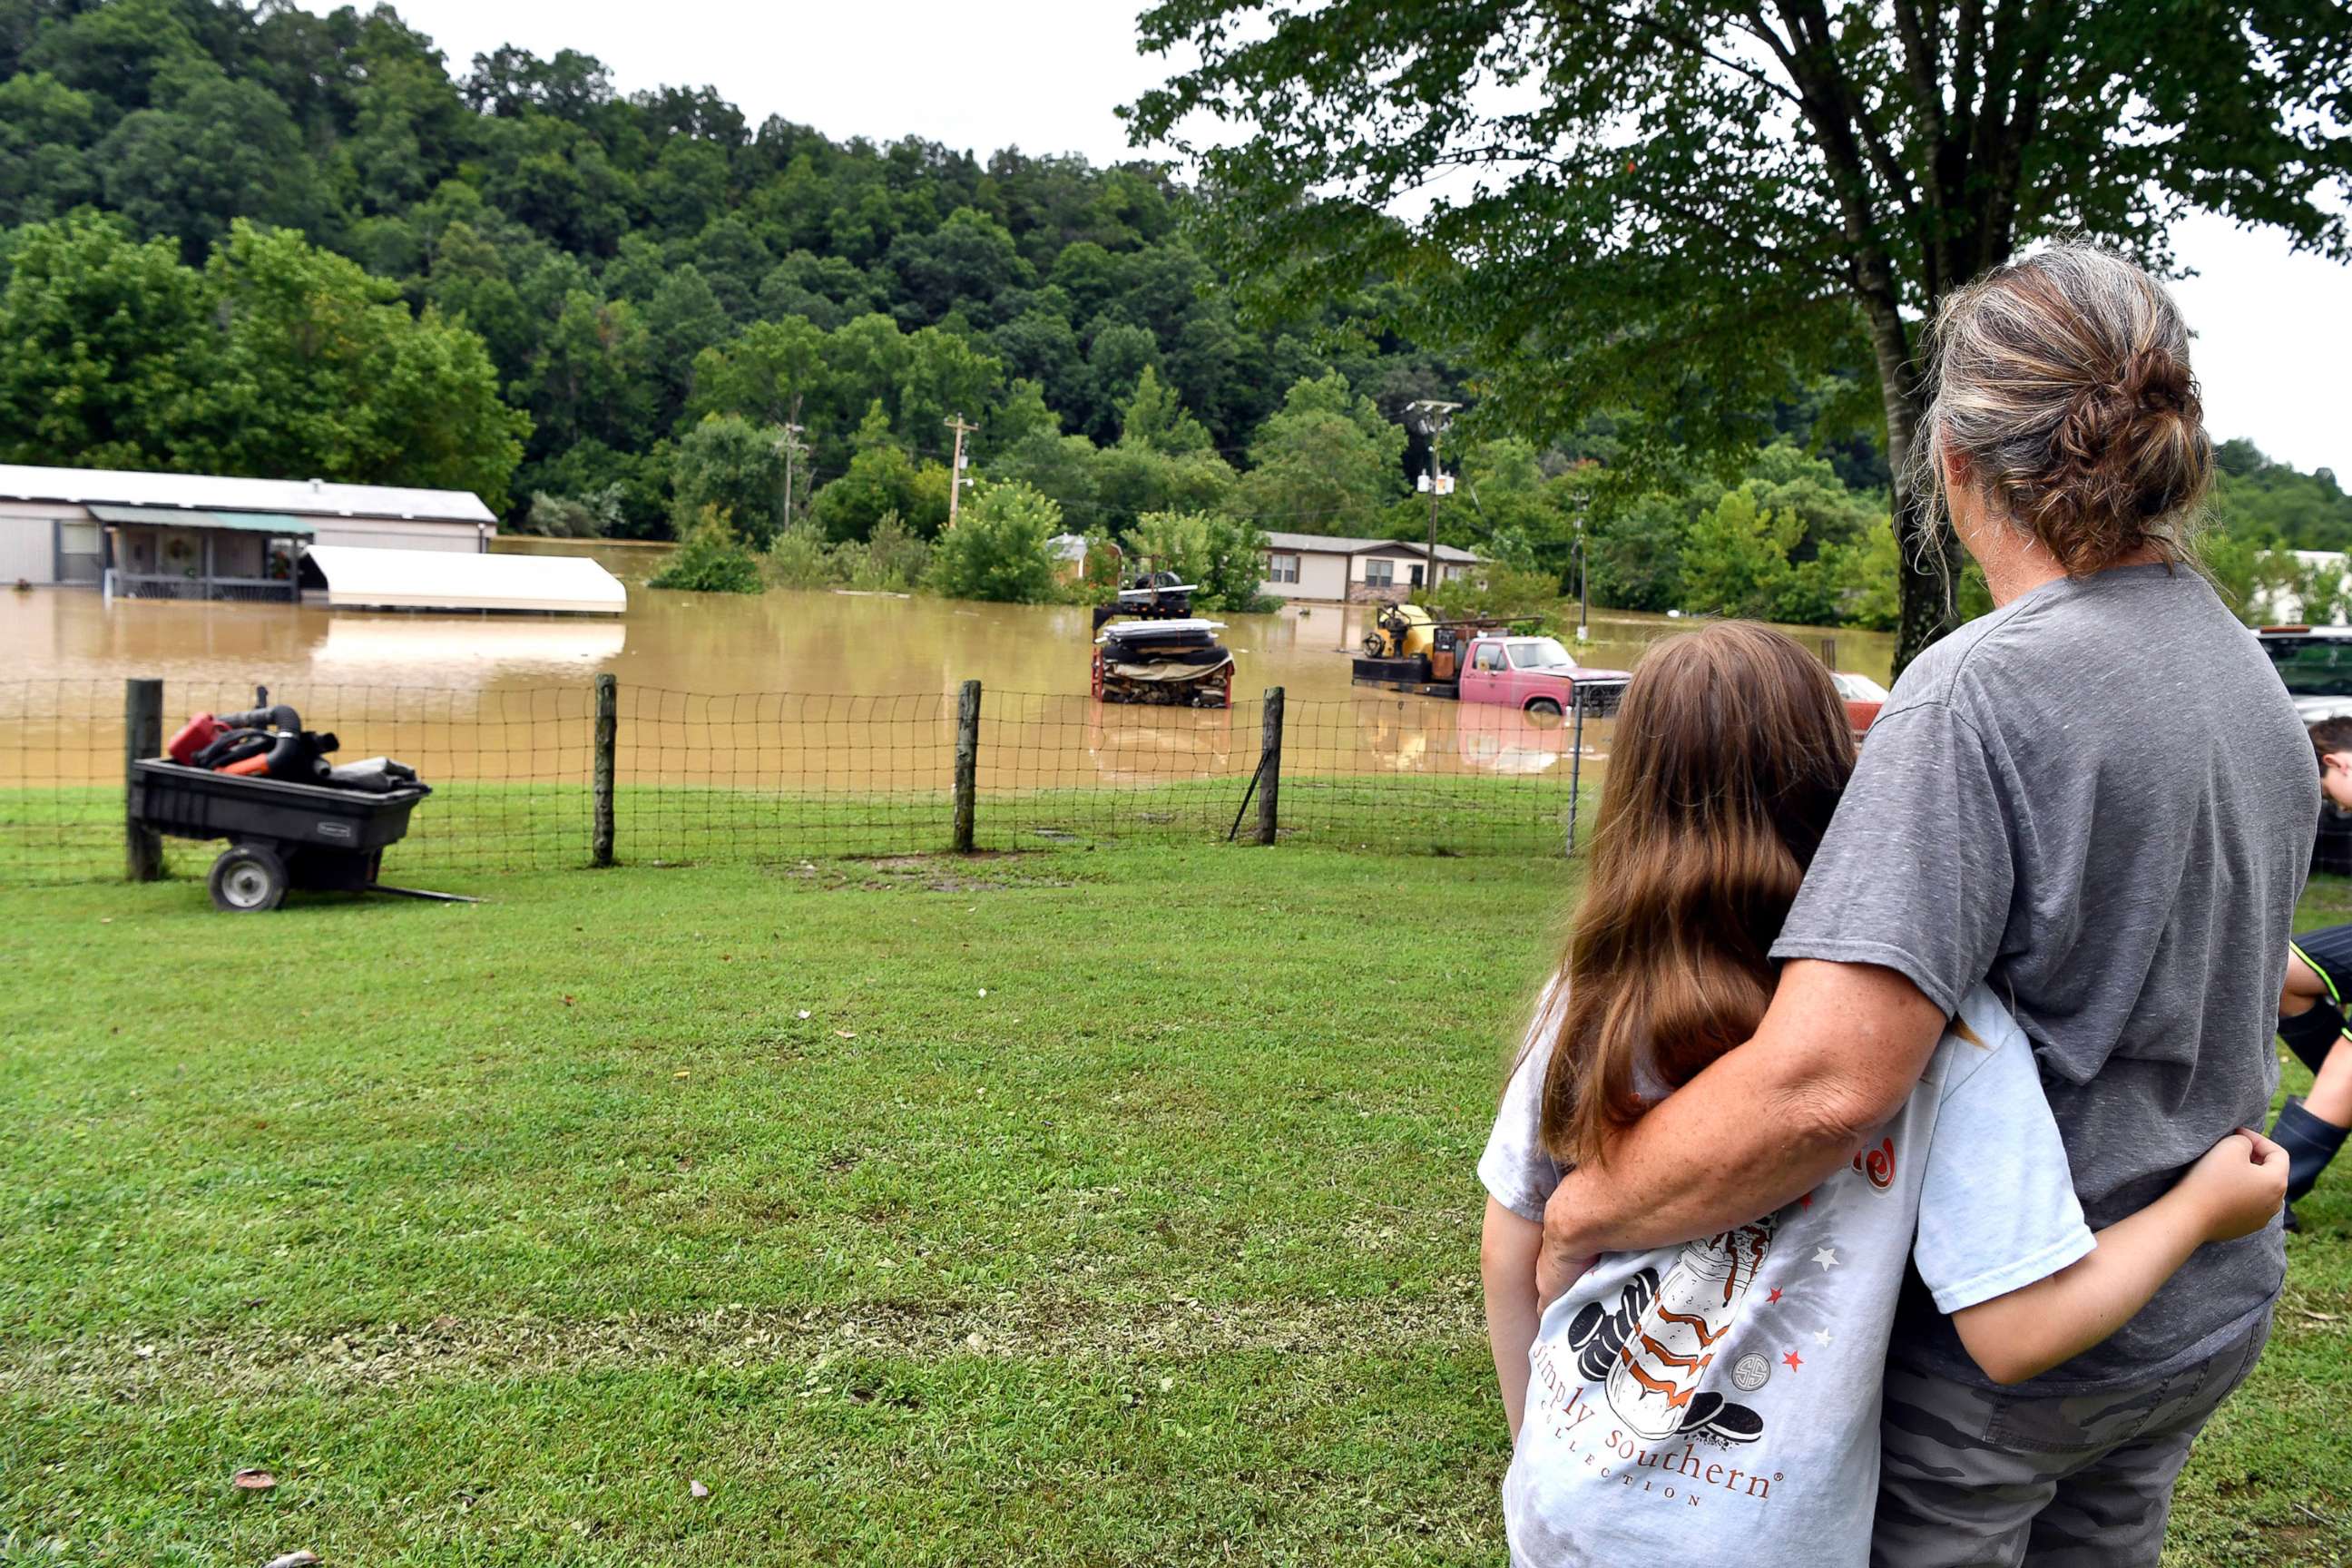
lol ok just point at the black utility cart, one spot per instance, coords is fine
(281, 835)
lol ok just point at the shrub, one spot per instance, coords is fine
(594, 515)
(798, 558)
(711, 560)
(892, 562)
(997, 549)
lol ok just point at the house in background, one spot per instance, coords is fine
(1335, 570)
(1070, 553)
(209, 536)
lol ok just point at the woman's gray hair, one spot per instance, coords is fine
(2061, 384)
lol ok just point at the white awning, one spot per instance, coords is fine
(454, 580)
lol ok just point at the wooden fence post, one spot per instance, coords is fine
(143, 737)
(608, 731)
(967, 762)
(1269, 764)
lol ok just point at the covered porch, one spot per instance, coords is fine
(180, 553)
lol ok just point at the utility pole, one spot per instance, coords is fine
(955, 474)
(791, 444)
(1431, 418)
(1583, 583)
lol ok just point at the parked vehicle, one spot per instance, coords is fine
(1480, 661)
(2315, 663)
(1536, 674)
(1862, 698)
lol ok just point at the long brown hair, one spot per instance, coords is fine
(1730, 751)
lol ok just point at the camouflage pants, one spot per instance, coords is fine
(1981, 1477)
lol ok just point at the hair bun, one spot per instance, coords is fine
(2065, 382)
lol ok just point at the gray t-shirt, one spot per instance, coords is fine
(2098, 799)
(1718, 1402)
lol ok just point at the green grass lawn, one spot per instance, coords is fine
(489, 1229)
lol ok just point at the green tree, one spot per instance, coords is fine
(46, 130)
(1155, 417)
(682, 318)
(767, 375)
(1869, 577)
(322, 371)
(212, 150)
(997, 549)
(880, 481)
(943, 374)
(106, 347)
(1633, 552)
(1328, 463)
(732, 467)
(592, 378)
(892, 558)
(1736, 557)
(1702, 202)
(1223, 557)
(1163, 462)
(2258, 497)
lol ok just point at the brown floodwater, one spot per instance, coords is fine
(871, 678)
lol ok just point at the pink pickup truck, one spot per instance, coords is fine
(1533, 674)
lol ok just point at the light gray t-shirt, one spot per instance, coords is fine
(1718, 1402)
(2099, 800)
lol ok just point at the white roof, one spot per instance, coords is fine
(300, 497)
(454, 580)
(1344, 544)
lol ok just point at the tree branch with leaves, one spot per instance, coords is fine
(1672, 211)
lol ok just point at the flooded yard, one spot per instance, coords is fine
(790, 689)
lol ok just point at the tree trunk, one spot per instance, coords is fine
(1928, 558)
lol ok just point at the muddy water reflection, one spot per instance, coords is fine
(482, 693)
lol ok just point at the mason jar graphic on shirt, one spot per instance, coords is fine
(1673, 1342)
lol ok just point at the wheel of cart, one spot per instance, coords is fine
(248, 878)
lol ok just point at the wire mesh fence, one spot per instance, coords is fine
(60, 780)
(764, 776)
(773, 774)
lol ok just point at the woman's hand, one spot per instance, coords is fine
(2239, 1184)
(1556, 1269)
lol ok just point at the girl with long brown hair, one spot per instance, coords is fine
(1718, 1401)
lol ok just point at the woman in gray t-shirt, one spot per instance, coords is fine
(2096, 800)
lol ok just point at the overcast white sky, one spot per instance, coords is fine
(2275, 329)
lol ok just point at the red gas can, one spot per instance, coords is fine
(194, 736)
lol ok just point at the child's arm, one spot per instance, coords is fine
(2234, 1190)
(1506, 1260)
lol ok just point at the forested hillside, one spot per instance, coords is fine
(271, 242)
